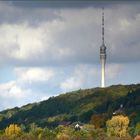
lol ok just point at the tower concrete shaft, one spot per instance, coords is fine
(103, 54)
(103, 73)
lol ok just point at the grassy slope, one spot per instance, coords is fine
(76, 105)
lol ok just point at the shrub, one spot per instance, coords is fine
(63, 136)
(137, 129)
(131, 131)
(46, 133)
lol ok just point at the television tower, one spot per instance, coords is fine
(103, 53)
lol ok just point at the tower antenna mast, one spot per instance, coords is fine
(103, 25)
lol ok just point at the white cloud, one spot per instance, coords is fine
(12, 90)
(31, 75)
(71, 84)
(86, 76)
(113, 70)
(20, 41)
(80, 78)
(20, 91)
(11, 95)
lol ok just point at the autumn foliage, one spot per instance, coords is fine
(117, 126)
(98, 120)
(137, 138)
(13, 130)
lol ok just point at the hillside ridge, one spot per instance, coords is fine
(74, 106)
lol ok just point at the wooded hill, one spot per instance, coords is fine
(75, 106)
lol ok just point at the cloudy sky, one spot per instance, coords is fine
(48, 48)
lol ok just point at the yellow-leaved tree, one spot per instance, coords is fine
(117, 126)
(13, 130)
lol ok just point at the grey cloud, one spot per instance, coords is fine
(84, 41)
(122, 34)
(12, 14)
(76, 38)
